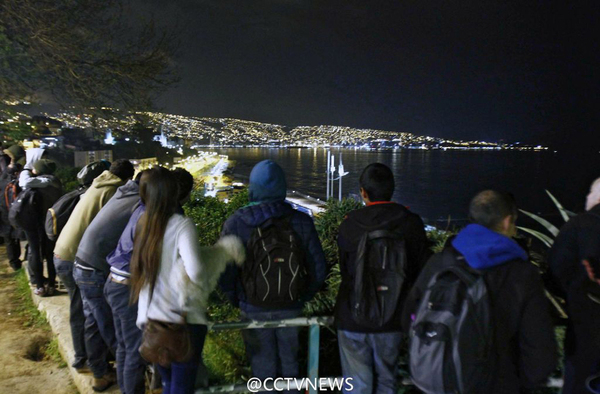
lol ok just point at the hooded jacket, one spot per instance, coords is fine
(524, 332)
(389, 216)
(267, 193)
(102, 235)
(26, 178)
(102, 189)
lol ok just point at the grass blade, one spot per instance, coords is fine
(547, 225)
(563, 211)
(541, 236)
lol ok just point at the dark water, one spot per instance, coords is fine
(438, 184)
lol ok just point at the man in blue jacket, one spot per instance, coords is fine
(525, 347)
(272, 352)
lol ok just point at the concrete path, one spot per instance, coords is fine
(57, 313)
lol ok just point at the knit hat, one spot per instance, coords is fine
(267, 182)
(15, 152)
(44, 167)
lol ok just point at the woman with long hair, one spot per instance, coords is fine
(171, 276)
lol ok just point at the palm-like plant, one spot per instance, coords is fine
(548, 241)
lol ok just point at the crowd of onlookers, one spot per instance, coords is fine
(476, 316)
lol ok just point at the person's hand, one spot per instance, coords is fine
(592, 267)
(234, 247)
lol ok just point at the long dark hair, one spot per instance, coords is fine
(159, 192)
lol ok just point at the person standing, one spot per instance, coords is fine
(171, 276)
(369, 351)
(49, 189)
(272, 352)
(70, 272)
(574, 264)
(504, 339)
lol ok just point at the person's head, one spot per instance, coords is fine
(376, 183)
(15, 152)
(158, 192)
(185, 180)
(267, 182)
(44, 167)
(495, 210)
(593, 197)
(122, 168)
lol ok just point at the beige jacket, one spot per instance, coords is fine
(102, 189)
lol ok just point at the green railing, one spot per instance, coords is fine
(314, 331)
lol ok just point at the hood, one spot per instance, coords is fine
(107, 178)
(267, 182)
(254, 215)
(484, 248)
(33, 155)
(375, 216)
(131, 188)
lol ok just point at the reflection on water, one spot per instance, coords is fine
(438, 184)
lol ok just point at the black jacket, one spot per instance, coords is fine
(389, 216)
(524, 333)
(578, 239)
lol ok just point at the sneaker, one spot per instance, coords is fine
(40, 292)
(50, 290)
(103, 383)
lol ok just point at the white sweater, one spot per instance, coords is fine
(187, 274)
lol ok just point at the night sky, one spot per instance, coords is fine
(513, 71)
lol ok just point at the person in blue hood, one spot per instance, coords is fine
(524, 334)
(272, 352)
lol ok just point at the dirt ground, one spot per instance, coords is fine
(20, 345)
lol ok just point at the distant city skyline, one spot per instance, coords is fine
(465, 70)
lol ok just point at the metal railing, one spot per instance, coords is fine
(314, 331)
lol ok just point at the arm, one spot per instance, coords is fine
(416, 293)
(417, 246)
(564, 257)
(537, 343)
(189, 250)
(317, 267)
(26, 180)
(229, 279)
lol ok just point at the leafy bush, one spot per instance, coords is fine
(68, 177)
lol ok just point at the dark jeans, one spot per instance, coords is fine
(40, 248)
(130, 365)
(64, 270)
(13, 252)
(99, 329)
(181, 377)
(371, 360)
(273, 352)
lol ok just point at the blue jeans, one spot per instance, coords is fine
(99, 328)
(130, 365)
(64, 270)
(371, 360)
(273, 352)
(181, 377)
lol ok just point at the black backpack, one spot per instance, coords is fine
(380, 273)
(59, 214)
(9, 188)
(25, 211)
(451, 348)
(274, 273)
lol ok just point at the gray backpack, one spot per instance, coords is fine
(451, 345)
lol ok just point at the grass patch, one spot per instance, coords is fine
(33, 317)
(26, 308)
(53, 354)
